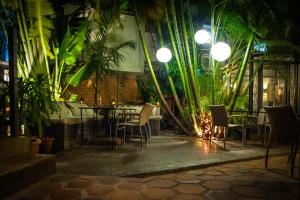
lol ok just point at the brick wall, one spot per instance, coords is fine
(122, 87)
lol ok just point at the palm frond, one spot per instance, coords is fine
(41, 13)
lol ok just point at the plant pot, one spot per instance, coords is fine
(35, 145)
(46, 145)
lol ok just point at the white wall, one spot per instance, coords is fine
(134, 59)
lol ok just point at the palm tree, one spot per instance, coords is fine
(38, 43)
(245, 23)
(104, 46)
(154, 10)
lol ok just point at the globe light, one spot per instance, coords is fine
(202, 36)
(220, 51)
(163, 55)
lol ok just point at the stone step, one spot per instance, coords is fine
(19, 172)
(18, 167)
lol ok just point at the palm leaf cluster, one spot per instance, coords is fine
(199, 79)
(104, 48)
(50, 47)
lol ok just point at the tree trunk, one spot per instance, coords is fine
(172, 86)
(153, 74)
(190, 63)
(241, 74)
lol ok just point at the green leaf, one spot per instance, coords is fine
(78, 39)
(82, 74)
(76, 44)
(64, 44)
(41, 12)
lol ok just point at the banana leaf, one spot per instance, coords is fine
(82, 74)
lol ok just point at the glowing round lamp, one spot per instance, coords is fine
(202, 37)
(220, 51)
(163, 55)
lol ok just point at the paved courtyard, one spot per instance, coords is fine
(165, 153)
(242, 180)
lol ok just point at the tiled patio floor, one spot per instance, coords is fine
(241, 181)
(165, 153)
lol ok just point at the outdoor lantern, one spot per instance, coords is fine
(202, 36)
(163, 55)
(220, 51)
(113, 102)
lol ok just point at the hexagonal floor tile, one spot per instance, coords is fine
(216, 185)
(190, 188)
(161, 183)
(157, 193)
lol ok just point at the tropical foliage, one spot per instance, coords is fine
(203, 80)
(35, 103)
(38, 44)
(104, 45)
(49, 56)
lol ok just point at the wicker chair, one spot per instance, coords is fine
(257, 123)
(284, 129)
(263, 122)
(220, 118)
(142, 121)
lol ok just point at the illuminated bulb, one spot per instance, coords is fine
(220, 51)
(202, 37)
(163, 55)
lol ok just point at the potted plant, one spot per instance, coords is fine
(36, 105)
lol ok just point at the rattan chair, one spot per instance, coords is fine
(284, 129)
(142, 121)
(257, 122)
(220, 118)
(263, 123)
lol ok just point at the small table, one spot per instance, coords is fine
(107, 122)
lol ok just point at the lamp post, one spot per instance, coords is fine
(202, 37)
(220, 51)
(164, 55)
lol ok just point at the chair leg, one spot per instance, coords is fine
(225, 136)
(244, 137)
(293, 158)
(149, 128)
(267, 152)
(110, 129)
(260, 134)
(264, 135)
(290, 154)
(146, 136)
(116, 138)
(131, 132)
(141, 134)
(124, 134)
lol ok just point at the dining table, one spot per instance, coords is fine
(109, 114)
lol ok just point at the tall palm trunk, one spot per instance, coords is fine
(171, 82)
(189, 63)
(145, 48)
(176, 54)
(194, 47)
(241, 73)
(211, 60)
(182, 58)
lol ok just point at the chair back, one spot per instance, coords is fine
(283, 120)
(145, 113)
(219, 115)
(261, 118)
